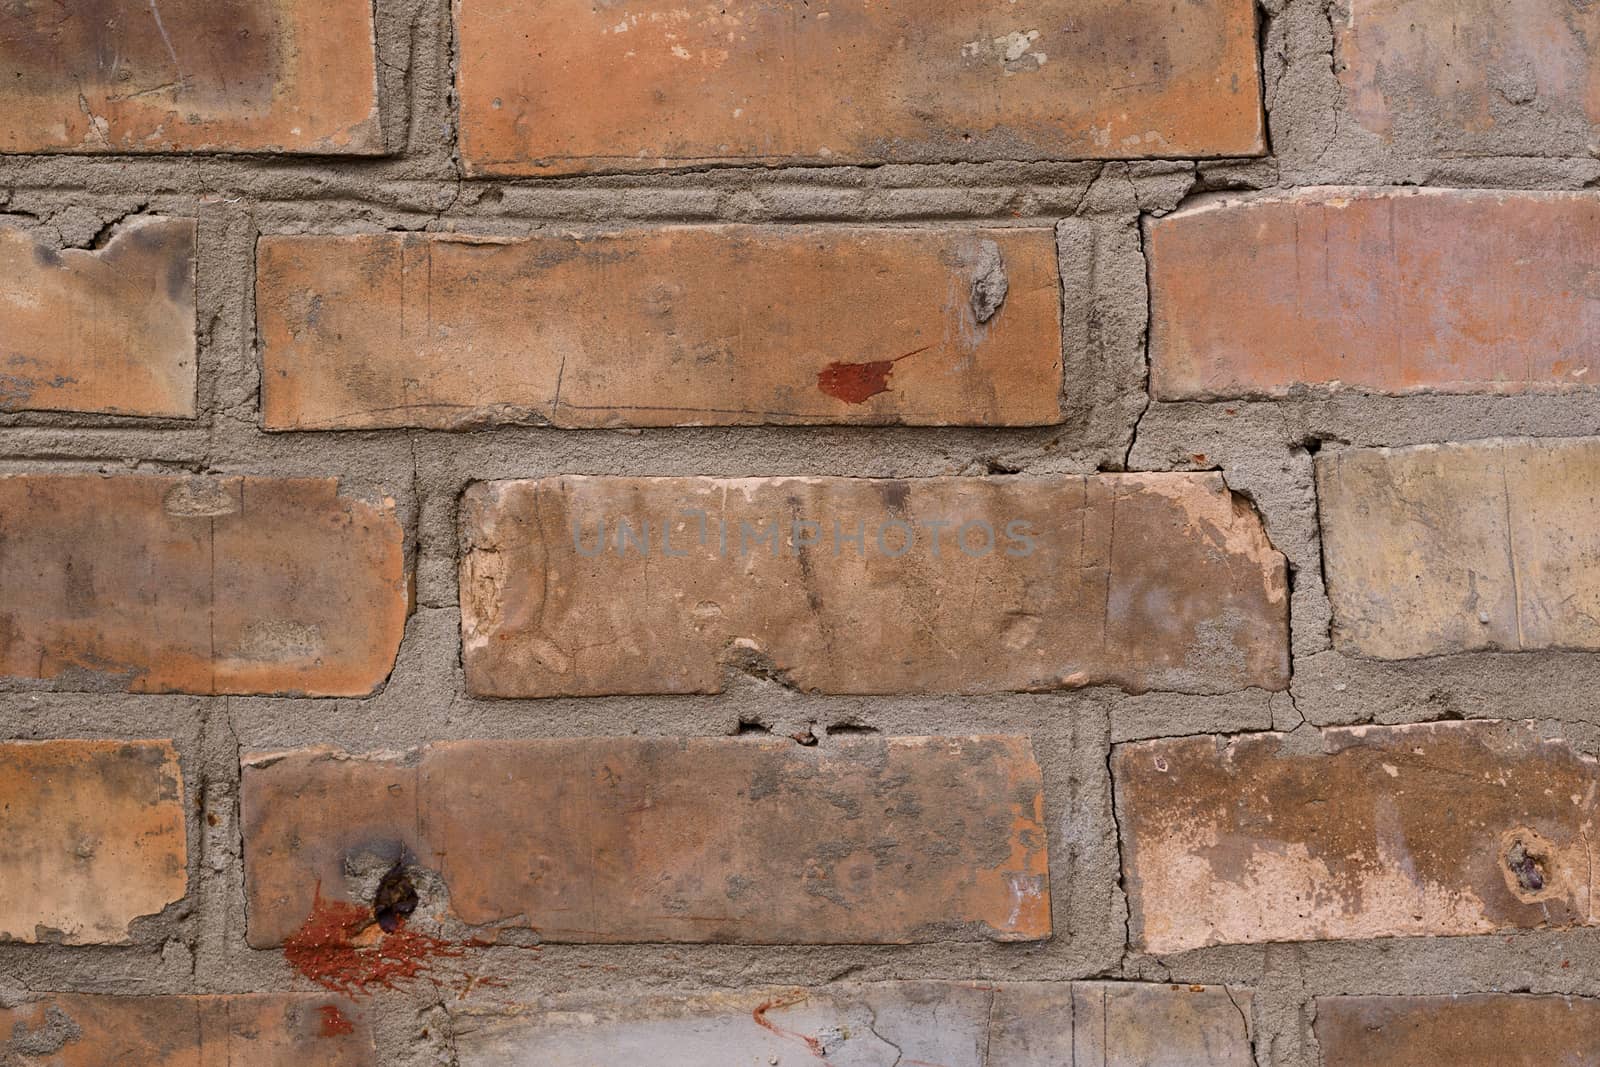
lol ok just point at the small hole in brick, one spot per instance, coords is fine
(395, 900)
(1528, 868)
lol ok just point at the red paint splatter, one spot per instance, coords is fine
(326, 950)
(760, 1016)
(334, 1024)
(856, 383)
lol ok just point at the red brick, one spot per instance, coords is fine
(627, 839)
(1473, 77)
(281, 1030)
(106, 331)
(1442, 549)
(91, 838)
(199, 585)
(189, 76)
(1388, 291)
(1472, 1030)
(566, 86)
(1432, 829)
(682, 326)
(1144, 581)
(952, 1024)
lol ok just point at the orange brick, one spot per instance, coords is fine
(93, 838)
(1145, 581)
(279, 1030)
(1473, 77)
(1370, 831)
(1390, 291)
(682, 326)
(109, 331)
(189, 76)
(626, 839)
(199, 585)
(1464, 1030)
(566, 86)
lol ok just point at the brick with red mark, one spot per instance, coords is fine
(856, 383)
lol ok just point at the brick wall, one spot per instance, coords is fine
(1043, 532)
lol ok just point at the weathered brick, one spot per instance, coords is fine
(189, 76)
(1471, 1030)
(1014, 1024)
(688, 325)
(627, 839)
(108, 331)
(1358, 832)
(1143, 581)
(1392, 291)
(1452, 548)
(91, 838)
(198, 585)
(566, 86)
(1473, 77)
(281, 1030)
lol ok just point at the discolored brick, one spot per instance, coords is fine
(1016, 1024)
(103, 331)
(1405, 831)
(1469, 1030)
(189, 76)
(1143, 581)
(1441, 549)
(229, 584)
(756, 841)
(1381, 290)
(270, 1030)
(1472, 78)
(694, 325)
(91, 838)
(567, 87)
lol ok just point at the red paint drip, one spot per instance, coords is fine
(760, 1016)
(334, 1024)
(324, 950)
(856, 383)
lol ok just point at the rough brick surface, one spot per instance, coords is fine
(1472, 1030)
(694, 839)
(188, 75)
(92, 837)
(567, 87)
(1357, 832)
(1392, 291)
(1143, 581)
(1006, 1024)
(107, 331)
(1472, 77)
(282, 1030)
(198, 585)
(1451, 548)
(679, 326)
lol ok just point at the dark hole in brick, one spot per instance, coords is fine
(1528, 868)
(395, 900)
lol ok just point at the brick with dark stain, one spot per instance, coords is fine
(758, 841)
(1379, 831)
(139, 76)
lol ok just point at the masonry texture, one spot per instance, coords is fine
(878, 533)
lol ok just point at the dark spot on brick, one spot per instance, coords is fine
(1526, 866)
(395, 900)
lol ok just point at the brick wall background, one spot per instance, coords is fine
(320, 323)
